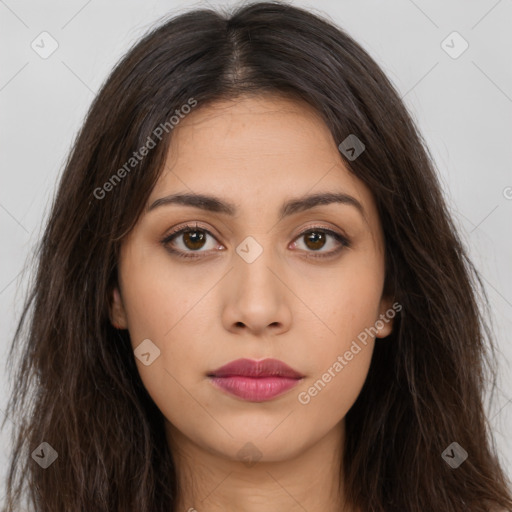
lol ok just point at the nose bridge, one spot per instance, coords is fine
(257, 297)
(252, 267)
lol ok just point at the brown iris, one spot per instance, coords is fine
(316, 238)
(195, 238)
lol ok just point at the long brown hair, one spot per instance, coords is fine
(76, 384)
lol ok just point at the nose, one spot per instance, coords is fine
(257, 298)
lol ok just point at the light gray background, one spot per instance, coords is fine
(462, 106)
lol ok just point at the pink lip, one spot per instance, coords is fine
(255, 381)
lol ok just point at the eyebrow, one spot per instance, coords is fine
(215, 204)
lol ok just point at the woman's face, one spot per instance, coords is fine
(264, 278)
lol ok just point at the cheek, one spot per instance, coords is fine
(341, 355)
(345, 299)
(167, 309)
(160, 298)
(341, 346)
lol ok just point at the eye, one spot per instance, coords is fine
(316, 238)
(193, 239)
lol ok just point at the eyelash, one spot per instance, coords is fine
(342, 240)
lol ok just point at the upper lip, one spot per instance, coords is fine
(252, 368)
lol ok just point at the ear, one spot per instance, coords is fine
(387, 312)
(117, 312)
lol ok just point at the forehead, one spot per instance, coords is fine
(262, 144)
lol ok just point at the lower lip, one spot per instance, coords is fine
(255, 389)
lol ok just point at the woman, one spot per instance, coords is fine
(250, 295)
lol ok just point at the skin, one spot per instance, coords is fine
(203, 313)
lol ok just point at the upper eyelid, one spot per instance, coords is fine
(190, 227)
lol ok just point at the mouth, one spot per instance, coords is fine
(255, 381)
